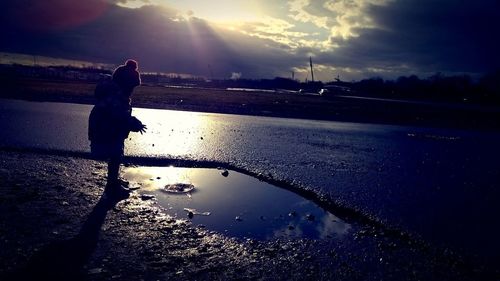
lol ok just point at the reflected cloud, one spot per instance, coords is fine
(330, 224)
(239, 205)
(286, 231)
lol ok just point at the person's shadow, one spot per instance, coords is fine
(64, 260)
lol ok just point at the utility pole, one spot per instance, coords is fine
(312, 73)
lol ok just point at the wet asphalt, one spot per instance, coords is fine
(437, 184)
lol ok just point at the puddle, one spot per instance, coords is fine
(234, 204)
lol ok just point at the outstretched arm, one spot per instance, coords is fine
(135, 125)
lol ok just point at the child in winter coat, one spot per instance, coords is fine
(111, 121)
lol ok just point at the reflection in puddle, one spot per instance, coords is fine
(235, 204)
(179, 188)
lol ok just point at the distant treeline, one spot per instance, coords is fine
(486, 89)
(53, 72)
(437, 87)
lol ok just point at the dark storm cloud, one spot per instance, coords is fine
(409, 37)
(50, 14)
(448, 35)
(425, 37)
(157, 37)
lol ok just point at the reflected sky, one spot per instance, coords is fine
(239, 205)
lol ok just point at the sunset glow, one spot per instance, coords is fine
(216, 11)
(265, 39)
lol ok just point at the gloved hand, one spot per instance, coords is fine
(136, 125)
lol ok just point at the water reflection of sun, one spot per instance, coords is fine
(169, 133)
(153, 178)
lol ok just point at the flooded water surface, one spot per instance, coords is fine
(234, 204)
(415, 179)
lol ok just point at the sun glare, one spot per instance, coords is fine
(154, 178)
(178, 133)
(218, 11)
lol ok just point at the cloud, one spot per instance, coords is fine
(50, 15)
(353, 38)
(235, 75)
(352, 15)
(159, 37)
(427, 36)
(277, 30)
(392, 38)
(340, 17)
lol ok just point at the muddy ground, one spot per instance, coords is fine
(56, 225)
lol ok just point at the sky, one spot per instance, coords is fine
(350, 39)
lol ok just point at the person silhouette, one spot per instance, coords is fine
(111, 121)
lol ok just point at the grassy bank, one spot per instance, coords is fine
(290, 105)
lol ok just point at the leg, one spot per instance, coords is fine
(113, 170)
(114, 187)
